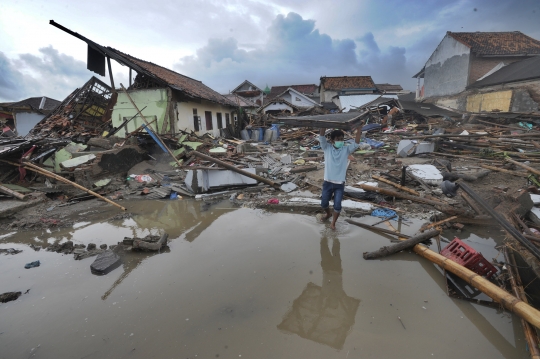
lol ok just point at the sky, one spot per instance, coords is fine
(222, 43)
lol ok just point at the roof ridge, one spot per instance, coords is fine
(151, 63)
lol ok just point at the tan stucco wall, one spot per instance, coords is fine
(487, 102)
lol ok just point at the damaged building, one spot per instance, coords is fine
(171, 101)
(20, 117)
(482, 72)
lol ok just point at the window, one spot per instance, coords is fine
(208, 118)
(219, 120)
(227, 120)
(196, 121)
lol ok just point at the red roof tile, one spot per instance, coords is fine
(498, 43)
(347, 82)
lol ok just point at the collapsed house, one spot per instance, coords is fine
(20, 117)
(171, 101)
(482, 72)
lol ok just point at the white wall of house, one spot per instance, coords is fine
(184, 111)
(327, 95)
(25, 121)
(296, 100)
(278, 107)
(447, 70)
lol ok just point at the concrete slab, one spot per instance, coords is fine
(9, 207)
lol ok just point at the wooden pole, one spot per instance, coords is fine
(403, 188)
(522, 165)
(391, 193)
(148, 124)
(436, 224)
(376, 229)
(519, 292)
(12, 193)
(510, 302)
(44, 172)
(513, 173)
(407, 243)
(234, 169)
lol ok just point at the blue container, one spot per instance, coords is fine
(261, 134)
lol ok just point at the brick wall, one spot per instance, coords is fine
(479, 66)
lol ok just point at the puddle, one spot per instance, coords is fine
(242, 283)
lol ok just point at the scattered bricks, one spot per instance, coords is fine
(91, 246)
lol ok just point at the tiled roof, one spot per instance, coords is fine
(241, 101)
(388, 87)
(177, 81)
(34, 102)
(303, 89)
(347, 82)
(517, 71)
(498, 43)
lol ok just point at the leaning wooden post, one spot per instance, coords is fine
(44, 172)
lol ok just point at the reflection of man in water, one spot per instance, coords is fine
(324, 314)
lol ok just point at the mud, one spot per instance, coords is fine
(240, 283)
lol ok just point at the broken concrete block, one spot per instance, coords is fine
(425, 147)
(288, 187)
(428, 173)
(105, 262)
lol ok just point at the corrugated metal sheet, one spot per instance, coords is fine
(356, 101)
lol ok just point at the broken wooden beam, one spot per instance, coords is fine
(502, 221)
(498, 169)
(522, 165)
(46, 173)
(471, 203)
(12, 193)
(376, 229)
(519, 292)
(403, 188)
(234, 169)
(408, 243)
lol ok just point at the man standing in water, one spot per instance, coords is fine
(336, 160)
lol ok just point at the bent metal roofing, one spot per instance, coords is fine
(498, 43)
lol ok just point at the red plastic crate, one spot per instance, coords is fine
(461, 253)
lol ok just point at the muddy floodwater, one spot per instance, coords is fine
(241, 283)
